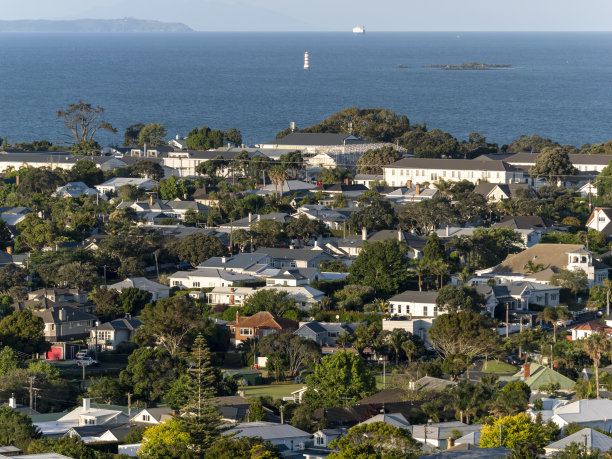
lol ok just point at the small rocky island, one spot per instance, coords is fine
(472, 66)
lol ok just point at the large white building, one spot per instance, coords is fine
(412, 311)
(431, 170)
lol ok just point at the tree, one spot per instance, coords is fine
(67, 446)
(375, 213)
(575, 281)
(278, 176)
(512, 399)
(149, 372)
(297, 351)
(464, 332)
(84, 120)
(106, 390)
(553, 315)
(24, 332)
(241, 448)
(339, 379)
(86, 148)
(128, 192)
(152, 135)
(16, 428)
(78, 275)
(11, 275)
(396, 339)
(267, 233)
(553, 164)
(304, 228)
(458, 298)
(172, 188)
(132, 300)
(381, 265)
(371, 161)
(292, 161)
(170, 439)
(608, 286)
(40, 180)
(34, 233)
(595, 346)
(409, 349)
(197, 248)
(433, 250)
(130, 138)
(9, 360)
(277, 302)
(86, 171)
(147, 169)
(107, 302)
(171, 320)
(518, 432)
(377, 440)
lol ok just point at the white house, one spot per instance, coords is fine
(208, 277)
(430, 170)
(110, 334)
(600, 220)
(588, 413)
(76, 189)
(412, 311)
(232, 296)
(305, 296)
(115, 183)
(158, 291)
(284, 436)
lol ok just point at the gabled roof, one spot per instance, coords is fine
(392, 419)
(213, 273)
(52, 315)
(541, 376)
(155, 413)
(454, 164)
(315, 139)
(524, 222)
(267, 430)
(141, 283)
(127, 323)
(594, 326)
(291, 254)
(591, 438)
(553, 256)
(585, 410)
(265, 319)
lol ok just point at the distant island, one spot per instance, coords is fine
(471, 66)
(125, 25)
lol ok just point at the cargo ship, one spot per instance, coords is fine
(360, 30)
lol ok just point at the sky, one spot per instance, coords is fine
(334, 15)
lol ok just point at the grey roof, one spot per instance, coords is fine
(414, 296)
(469, 452)
(431, 383)
(442, 430)
(215, 273)
(291, 254)
(315, 139)
(267, 430)
(315, 326)
(51, 315)
(238, 261)
(392, 419)
(456, 164)
(592, 438)
(524, 222)
(127, 323)
(118, 430)
(585, 410)
(575, 159)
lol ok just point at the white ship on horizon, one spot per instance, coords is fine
(359, 30)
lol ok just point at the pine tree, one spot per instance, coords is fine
(201, 418)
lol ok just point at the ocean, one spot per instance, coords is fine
(559, 85)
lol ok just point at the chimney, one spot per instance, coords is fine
(223, 260)
(12, 402)
(409, 184)
(177, 137)
(62, 314)
(526, 370)
(232, 289)
(151, 200)
(451, 442)
(9, 250)
(250, 217)
(17, 179)
(400, 235)
(364, 234)
(417, 190)
(237, 317)
(86, 405)
(447, 231)
(346, 181)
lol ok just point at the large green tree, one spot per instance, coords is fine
(375, 213)
(86, 171)
(371, 161)
(272, 300)
(24, 332)
(595, 346)
(197, 248)
(152, 135)
(296, 350)
(83, 120)
(16, 428)
(382, 266)
(553, 164)
(339, 379)
(458, 298)
(518, 433)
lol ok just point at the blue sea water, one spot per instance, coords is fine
(559, 87)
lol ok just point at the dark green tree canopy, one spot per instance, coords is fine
(371, 161)
(553, 164)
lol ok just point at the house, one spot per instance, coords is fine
(259, 325)
(519, 295)
(305, 296)
(23, 409)
(409, 194)
(588, 189)
(206, 197)
(412, 311)
(311, 143)
(13, 215)
(155, 210)
(549, 259)
(232, 408)
(588, 413)
(322, 438)
(600, 220)
(588, 328)
(65, 323)
(294, 277)
(295, 258)
(76, 189)
(590, 438)
(59, 295)
(101, 433)
(158, 291)
(178, 144)
(436, 434)
(185, 162)
(245, 223)
(347, 189)
(208, 277)
(152, 416)
(232, 296)
(495, 192)
(112, 185)
(427, 383)
(81, 416)
(430, 170)
(351, 246)
(530, 237)
(530, 222)
(324, 333)
(284, 436)
(536, 376)
(584, 163)
(468, 451)
(93, 242)
(330, 218)
(110, 334)
(368, 179)
(289, 187)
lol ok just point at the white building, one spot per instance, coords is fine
(208, 277)
(158, 291)
(115, 183)
(284, 436)
(412, 311)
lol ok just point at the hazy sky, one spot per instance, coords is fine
(387, 15)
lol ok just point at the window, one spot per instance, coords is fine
(176, 283)
(320, 441)
(246, 331)
(425, 310)
(146, 417)
(196, 284)
(407, 309)
(435, 311)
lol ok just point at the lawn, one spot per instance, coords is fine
(271, 390)
(496, 366)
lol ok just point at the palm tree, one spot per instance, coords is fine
(464, 276)
(553, 315)
(409, 349)
(344, 339)
(532, 267)
(420, 270)
(278, 176)
(596, 345)
(443, 186)
(608, 286)
(325, 303)
(379, 304)
(396, 338)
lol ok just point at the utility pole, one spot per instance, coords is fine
(31, 380)
(129, 396)
(507, 319)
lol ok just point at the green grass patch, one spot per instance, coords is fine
(496, 366)
(271, 390)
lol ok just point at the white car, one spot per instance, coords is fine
(87, 361)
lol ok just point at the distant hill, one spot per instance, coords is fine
(126, 25)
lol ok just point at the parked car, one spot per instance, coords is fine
(87, 361)
(81, 354)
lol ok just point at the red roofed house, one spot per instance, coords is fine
(587, 329)
(259, 325)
